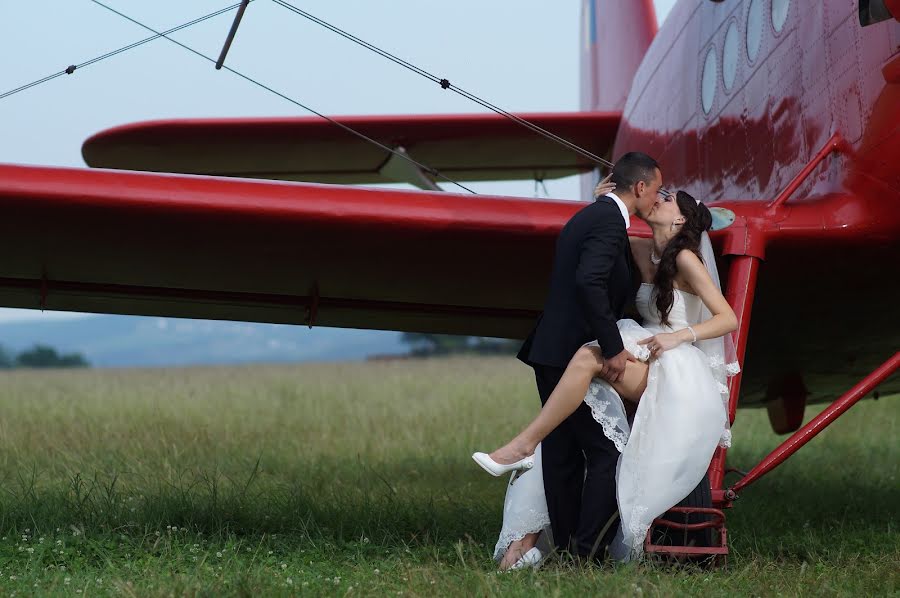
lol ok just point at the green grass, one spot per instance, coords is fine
(356, 479)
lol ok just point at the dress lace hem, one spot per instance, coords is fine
(508, 538)
(609, 423)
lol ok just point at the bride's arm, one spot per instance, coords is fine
(723, 319)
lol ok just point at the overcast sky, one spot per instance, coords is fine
(518, 54)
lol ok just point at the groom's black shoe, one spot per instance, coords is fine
(598, 553)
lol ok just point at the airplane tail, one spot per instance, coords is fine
(615, 36)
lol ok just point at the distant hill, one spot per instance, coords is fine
(132, 341)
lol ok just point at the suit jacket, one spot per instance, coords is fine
(591, 283)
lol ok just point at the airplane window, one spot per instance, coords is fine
(754, 28)
(708, 83)
(779, 13)
(730, 56)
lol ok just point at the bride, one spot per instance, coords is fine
(677, 383)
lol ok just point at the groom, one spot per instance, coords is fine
(592, 282)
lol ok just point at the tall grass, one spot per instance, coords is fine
(356, 478)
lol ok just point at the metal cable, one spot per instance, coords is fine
(434, 172)
(446, 84)
(72, 68)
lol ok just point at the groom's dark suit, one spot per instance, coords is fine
(592, 282)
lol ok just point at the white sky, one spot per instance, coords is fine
(518, 54)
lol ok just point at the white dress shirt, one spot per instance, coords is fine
(622, 207)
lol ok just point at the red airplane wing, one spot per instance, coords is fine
(462, 147)
(269, 251)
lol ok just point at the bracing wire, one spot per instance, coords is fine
(74, 67)
(446, 84)
(165, 34)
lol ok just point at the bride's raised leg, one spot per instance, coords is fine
(567, 396)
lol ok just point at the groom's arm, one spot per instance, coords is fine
(599, 250)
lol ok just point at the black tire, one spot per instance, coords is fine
(701, 496)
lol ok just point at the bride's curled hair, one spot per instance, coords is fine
(697, 219)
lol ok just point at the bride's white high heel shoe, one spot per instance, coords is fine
(498, 469)
(532, 558)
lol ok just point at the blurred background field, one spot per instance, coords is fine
(354, 478)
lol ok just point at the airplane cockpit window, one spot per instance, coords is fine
(730, 56)
(754, 28)
(780, 10)
(708, 81)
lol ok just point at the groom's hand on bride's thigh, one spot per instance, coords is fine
(614, 368)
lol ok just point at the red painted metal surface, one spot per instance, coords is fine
(461, 146)
(740, 291)
(816, 425)
(820, 75)
(235, 249)
(786, 403)
(893, 7)
(717, 522)
(613, 28)
(835, 143)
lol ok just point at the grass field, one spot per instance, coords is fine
(355, 478)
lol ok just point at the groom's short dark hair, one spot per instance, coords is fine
(633, 167)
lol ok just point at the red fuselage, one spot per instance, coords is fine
(734, 99)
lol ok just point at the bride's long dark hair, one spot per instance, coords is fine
(697, 219)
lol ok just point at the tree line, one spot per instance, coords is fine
(432, 345)
(41, 356)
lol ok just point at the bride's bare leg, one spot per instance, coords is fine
(517, 549)
(566, 398)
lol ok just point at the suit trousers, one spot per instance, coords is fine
(579, 467)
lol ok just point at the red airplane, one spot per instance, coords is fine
(785, 115)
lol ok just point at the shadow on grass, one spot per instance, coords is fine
(423, 504)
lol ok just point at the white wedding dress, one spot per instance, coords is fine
(681, 418)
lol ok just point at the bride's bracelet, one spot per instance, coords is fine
(694, 334)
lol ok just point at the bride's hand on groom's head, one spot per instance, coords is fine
(660, 343)
(603, 187)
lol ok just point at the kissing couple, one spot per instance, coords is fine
(632, 413)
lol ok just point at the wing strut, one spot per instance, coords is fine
(231, 33)
(740, 292)
(816, 425)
